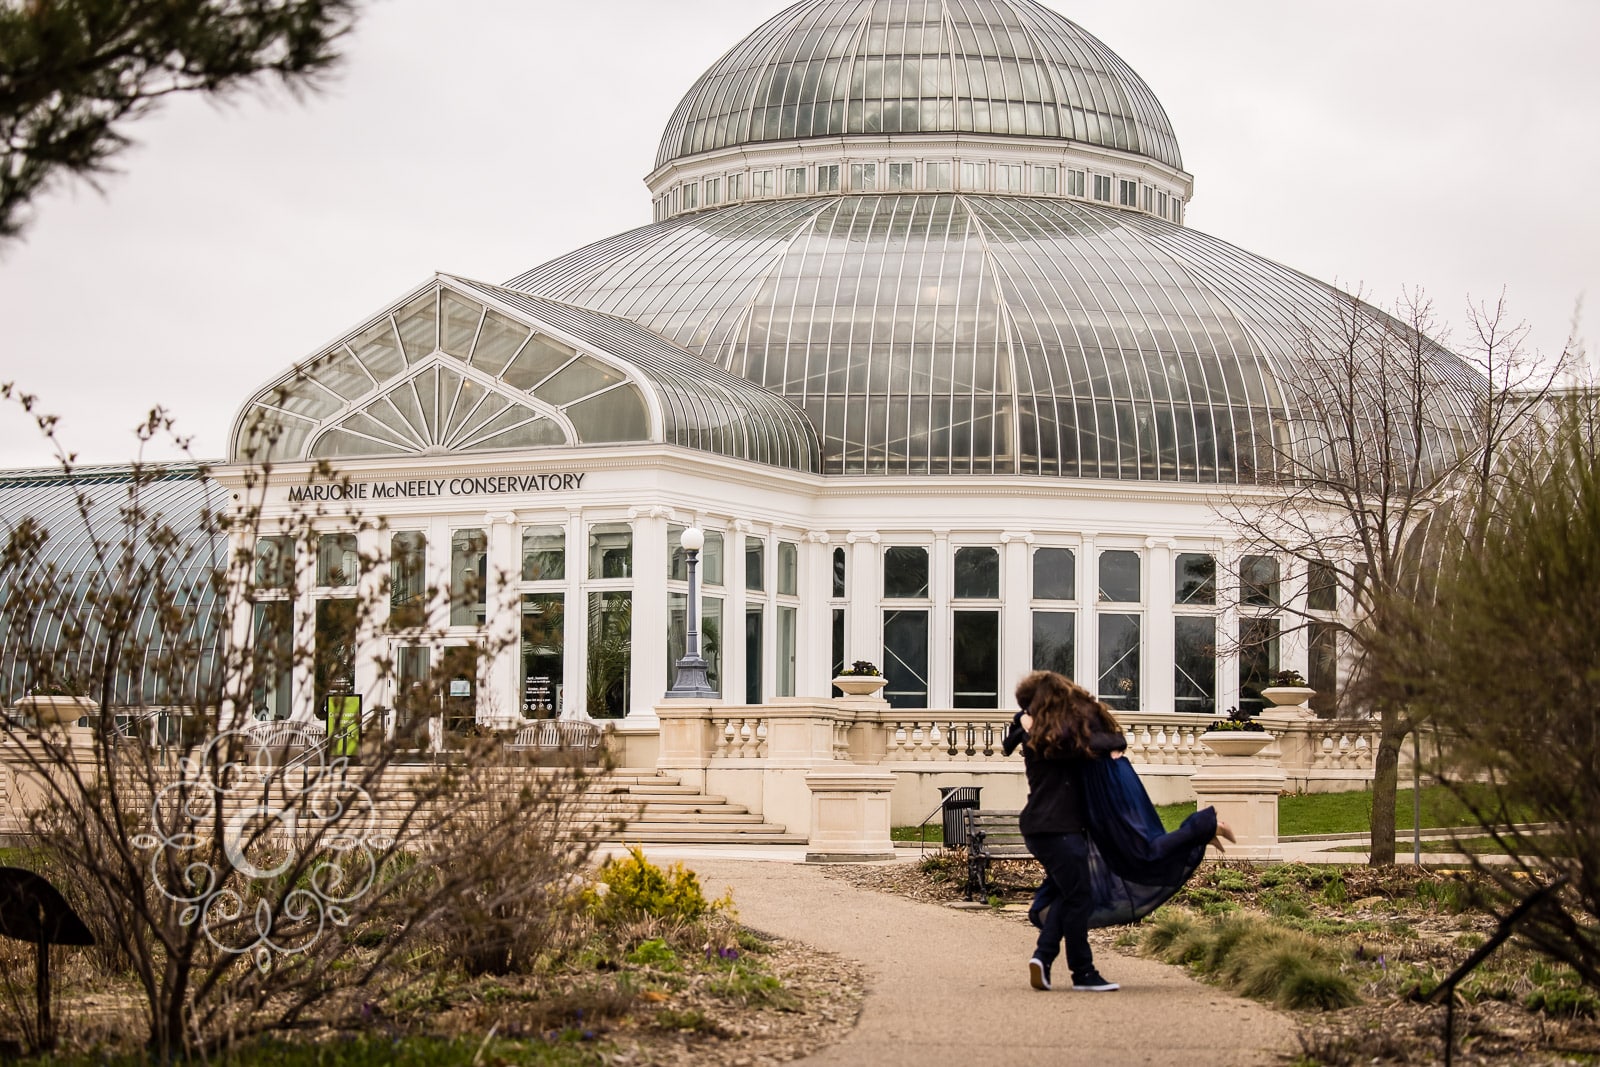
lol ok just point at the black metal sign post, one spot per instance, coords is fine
(31, 909)
(1502, 932)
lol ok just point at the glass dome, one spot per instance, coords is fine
(946, 334)
(825, 68)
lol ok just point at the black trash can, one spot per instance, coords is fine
(953, 800)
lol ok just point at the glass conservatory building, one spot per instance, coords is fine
(918, 336)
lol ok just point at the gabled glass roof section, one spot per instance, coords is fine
(826, 68)
(955, 334)
(464, 367)
(66, 641)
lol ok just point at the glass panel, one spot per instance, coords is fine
(413, 665)
(1196, 581)
(539, 359)
(544, 553)
(711, 559)
(339, 371)
(1119, 661)
(498, 342)
(838, 572)
(469, 577)
(1195, 664)
(1119, 577)
(460, 324)
(611, 550)
(976, 661)
(787, 628)
(408, 579)
(977, 575)
(1055, 642)
(334, 659)
(610, 662)
(1258, 661)
(615, 415)
(543, 654)
(905, 658)
(905, 575)
(272, 659)
(752, 655)
(711, 639)
(755, 558)
(788, 569)
(378, 350)
(418, 325)
(1055, 575)
(275, 562)
(1322, 587)
(338, 561)
(1258, 580)
(837, 646)
(936, 177)
(1322, 670)
(577, 380)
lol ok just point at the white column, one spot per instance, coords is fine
(304, 699)
(865, 584)
(734, 669)
(1227, 628)
(1016, 614)
(649, 613)
(815, 654)
(1088, 623)
(372, 615)
(502, 620)
(1294, 643)
(941, 673)
(1157, 683)
(575, 623)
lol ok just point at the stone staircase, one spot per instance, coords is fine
(671, 813)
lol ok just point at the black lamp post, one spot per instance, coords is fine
(690, 681)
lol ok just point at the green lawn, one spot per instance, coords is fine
(1348, 813)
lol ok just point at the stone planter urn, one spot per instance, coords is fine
(56, 710)
(860, 685)
(1236, 742)
(1288, 696)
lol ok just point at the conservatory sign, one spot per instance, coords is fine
(486, 485)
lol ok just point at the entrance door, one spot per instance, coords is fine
(413, 698)
(458, 681)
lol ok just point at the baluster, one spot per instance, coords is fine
(951, 738)
(761, 738)
(989, 730)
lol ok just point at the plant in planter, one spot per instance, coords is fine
(1288, 679)
(1237, 721)
(1288, 689)
(861, 678)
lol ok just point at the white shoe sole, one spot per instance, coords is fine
(1036, 976)
(1109, 987)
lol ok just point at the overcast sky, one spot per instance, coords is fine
(1447, 144)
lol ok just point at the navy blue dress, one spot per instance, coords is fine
(1135, 865)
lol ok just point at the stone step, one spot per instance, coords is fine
(691, 837)
(696, 827)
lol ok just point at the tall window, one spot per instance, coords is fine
(902, 175)
(1258, 581)
(827, 179)
(272, 659)
(1194, 598)
(838, 631)
(611, 550)
(788, 569)
(736, 187)
(544, 553)
(863, 177)
(1119, 630)
(334, 661)
(755, 564)
(1055, 623)
(905, 627)
(936, 177)
(1322, 666)
(1102, 187)
(469, 577)
(974, 176)
(1008, 177)
(609, 667)
(762, 184)
(975, 632)
(408, 579)
(691, 196)
(1128, 193)
(543, 657)
(274, 562)
(794, 181)
(713, 191)
(1259, 592)
(338, 561)
(1044, 181)
(1075, 183)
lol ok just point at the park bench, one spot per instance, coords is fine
(558, 735)
(990, 835)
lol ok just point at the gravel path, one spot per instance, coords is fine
(949, 987)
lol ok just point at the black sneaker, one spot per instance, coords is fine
(1092, 982)
(1038, 973)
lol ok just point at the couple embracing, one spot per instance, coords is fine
(1090, 823)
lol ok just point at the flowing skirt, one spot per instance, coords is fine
(1135, 865)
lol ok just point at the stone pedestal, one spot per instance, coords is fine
(849, 816)
(1244, 789)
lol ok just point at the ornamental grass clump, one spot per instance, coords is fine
(1254, 957)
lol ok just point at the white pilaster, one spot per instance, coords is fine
(1158, 683)
(649, 638)
(1088, 614)
(1016, 614)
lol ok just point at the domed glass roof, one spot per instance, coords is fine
(985, 334)
(825, 68)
